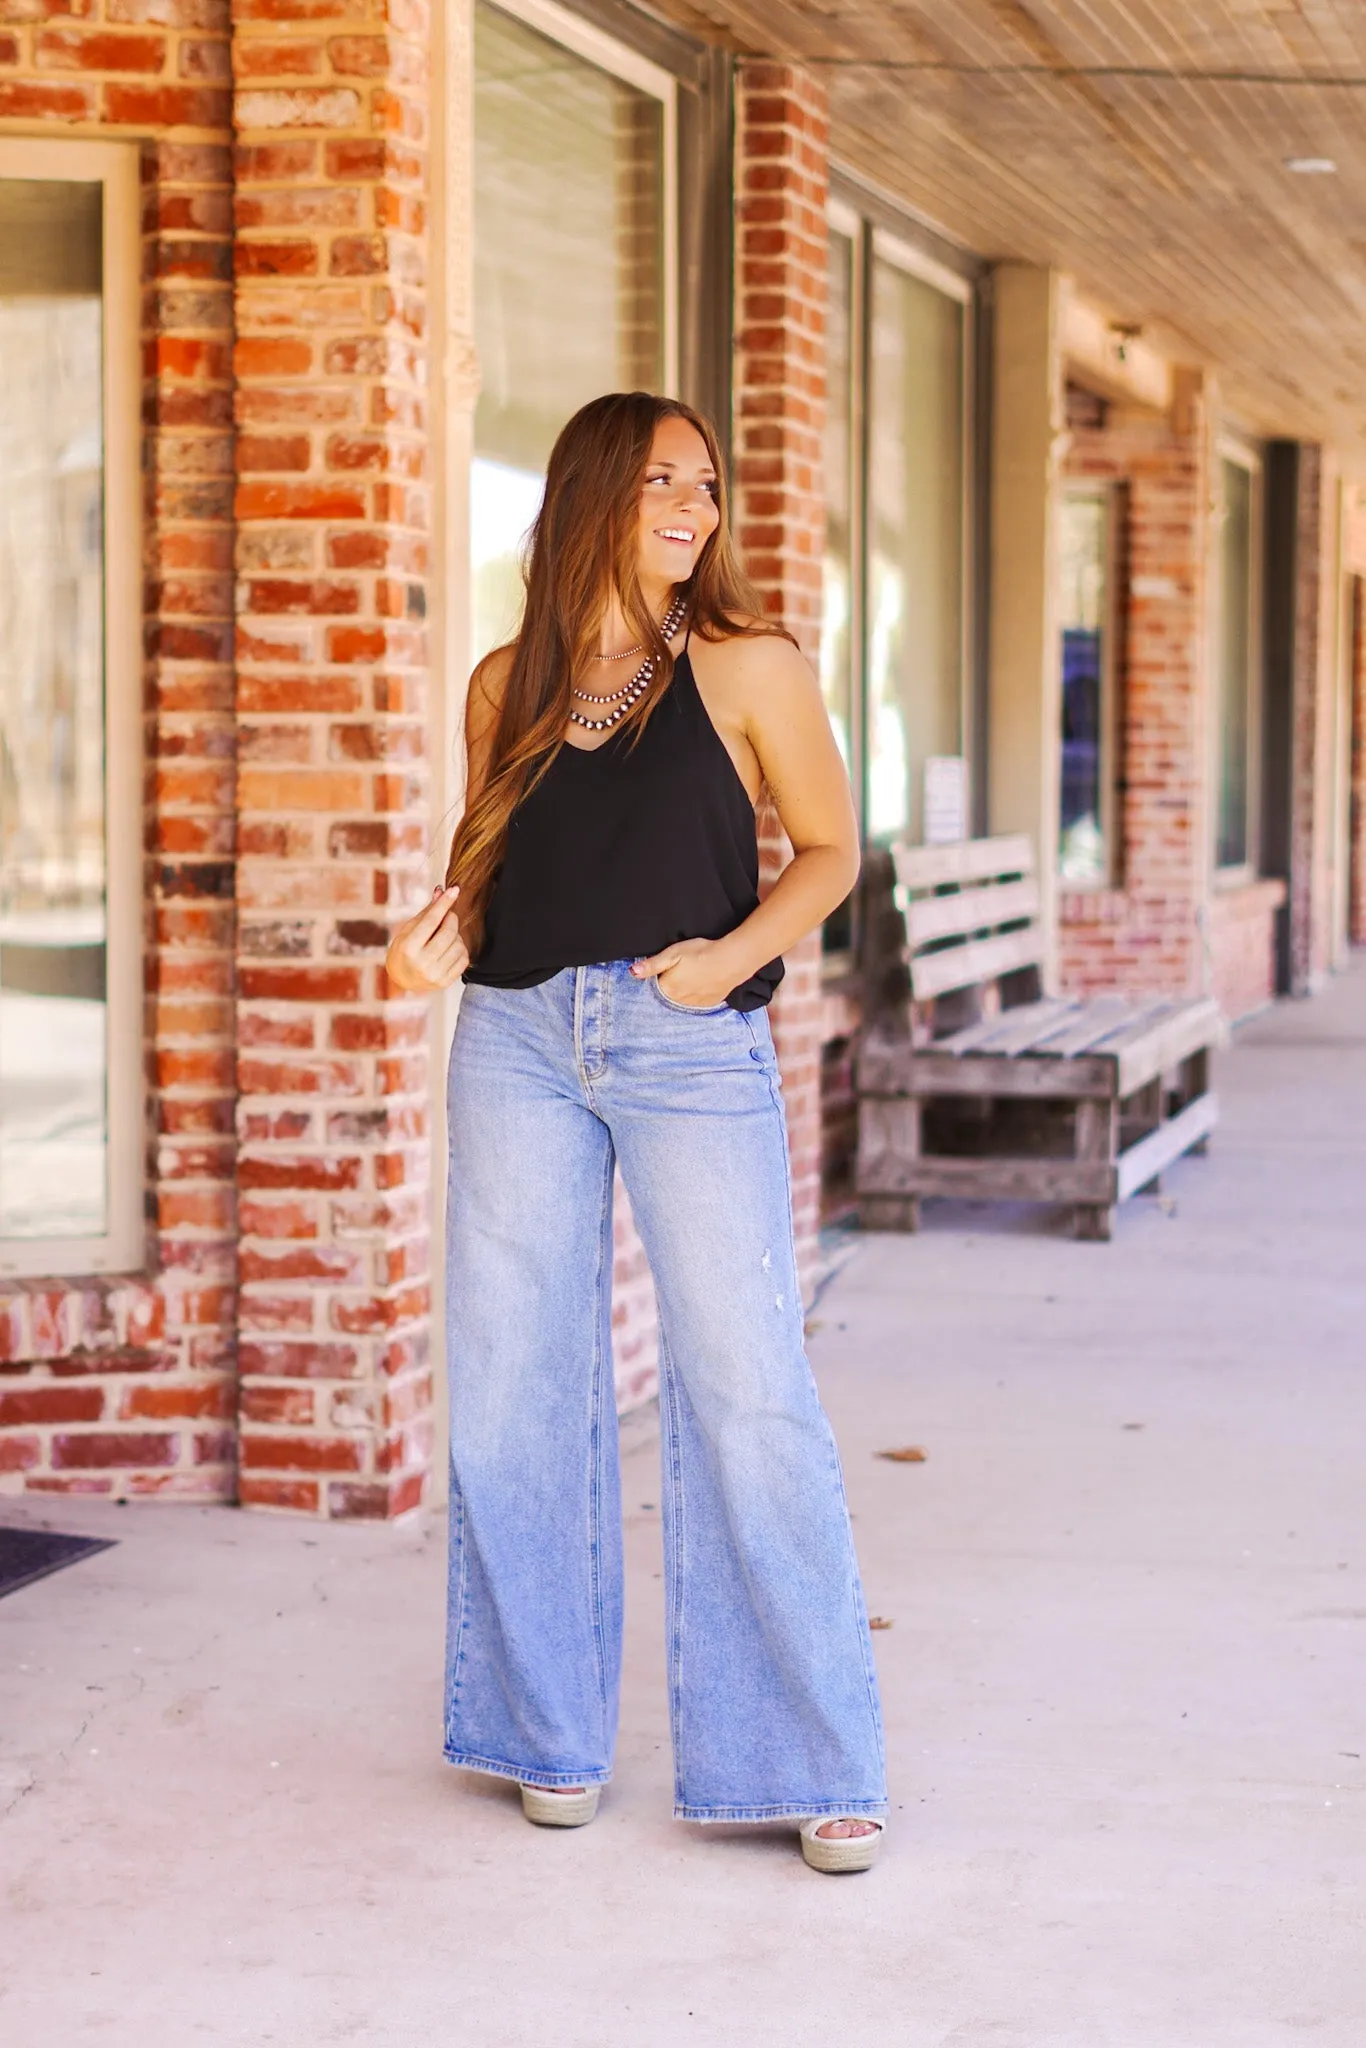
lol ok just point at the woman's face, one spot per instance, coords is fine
(678, 509)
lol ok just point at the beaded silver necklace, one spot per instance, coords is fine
(638, 685)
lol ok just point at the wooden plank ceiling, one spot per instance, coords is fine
(1140, 145)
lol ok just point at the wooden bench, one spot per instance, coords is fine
(979, 1086)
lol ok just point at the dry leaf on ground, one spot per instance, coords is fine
(876, 1621)
(909, 1454)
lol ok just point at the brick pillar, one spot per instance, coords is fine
(188, 315)
(1356, 855)
(1313, 746)
(333, 790)
(1144, 934)
(782, 181)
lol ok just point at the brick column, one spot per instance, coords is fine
(782, 181)
(331, 114)
(1356, 855)
(1317, 598)
(1144, 934)
(188, 604)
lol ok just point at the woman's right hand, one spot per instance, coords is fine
(427, 953)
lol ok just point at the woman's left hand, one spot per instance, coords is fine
(694, 972)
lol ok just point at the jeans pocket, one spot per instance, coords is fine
(687, 1009)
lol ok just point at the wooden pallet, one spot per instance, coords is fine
(1126, 1081)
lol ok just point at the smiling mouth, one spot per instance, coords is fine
(681, 534)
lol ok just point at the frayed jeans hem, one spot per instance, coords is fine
(494, 1767)
(849, 1809)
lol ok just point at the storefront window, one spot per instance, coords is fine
(916, 506)
(71, 1096)
(837, 578)
(894, 633)
(570, 273)
(53, 1015)
(1236, 672)
(1087, 690)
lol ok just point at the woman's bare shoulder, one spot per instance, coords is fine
(755, 656)
(488, 686)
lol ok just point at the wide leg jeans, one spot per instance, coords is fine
(773, 1698)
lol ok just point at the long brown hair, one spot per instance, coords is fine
(582, 546)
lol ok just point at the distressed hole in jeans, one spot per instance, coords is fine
(766, 1263)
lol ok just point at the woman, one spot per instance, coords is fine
(618, 963)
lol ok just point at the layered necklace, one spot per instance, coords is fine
(631, 693)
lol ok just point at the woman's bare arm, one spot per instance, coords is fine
(427, 953)
(785, 721)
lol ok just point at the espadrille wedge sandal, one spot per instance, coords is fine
(841, 1852)
(550, 1807)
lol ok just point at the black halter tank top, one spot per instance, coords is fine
(624, 848)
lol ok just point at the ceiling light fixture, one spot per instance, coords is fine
(1311, 166)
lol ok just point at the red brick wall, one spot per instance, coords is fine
(126, 1386)
(1144, 932)
(782, 181)
(1242, 946)
(332, 553)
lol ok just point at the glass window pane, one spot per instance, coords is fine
(836, 654)
(914, 622)
(1235, 654)
(837, 575)
(1084, 576)
(568, 274)
(53, 1137)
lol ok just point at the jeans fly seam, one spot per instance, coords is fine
(581, 1065)
(595, 1436)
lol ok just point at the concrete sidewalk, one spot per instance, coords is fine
(1125, 1685)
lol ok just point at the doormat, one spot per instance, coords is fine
(29, 1554)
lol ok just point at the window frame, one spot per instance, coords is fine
(599, 47)
(879, 230)
(114, 166)
(901, 254)
(1241, 452)
(1110, 493)
(843, 220)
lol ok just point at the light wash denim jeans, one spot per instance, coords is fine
(772, 1690)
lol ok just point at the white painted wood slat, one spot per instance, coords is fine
(970, 1038)
(968, 860)
(969, 910)
(935, 974)
(1145, 1160)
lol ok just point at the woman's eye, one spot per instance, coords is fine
(711, 487)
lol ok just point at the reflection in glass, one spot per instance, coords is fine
(916, 537)
(837, 569)
(1084, 600)
(1234, 680)
(837, 681)
(569, 275)
(53, 1139)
